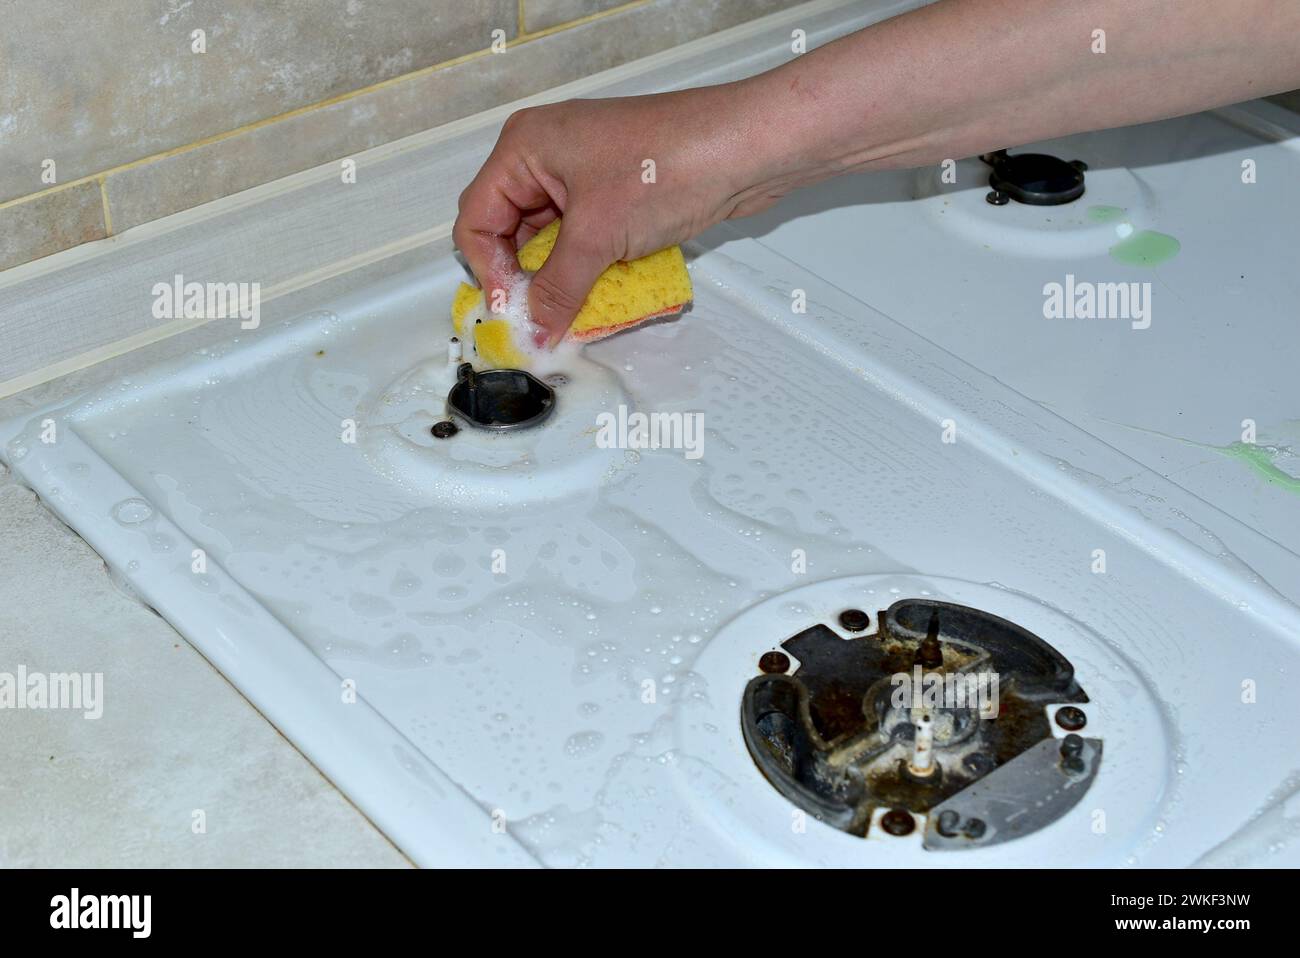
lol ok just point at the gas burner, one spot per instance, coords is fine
(1036, 179)
(500, 399)
(944, 712)
(957, 206)
(497, 439)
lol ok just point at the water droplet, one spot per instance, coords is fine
(583, 743)
(130, 512)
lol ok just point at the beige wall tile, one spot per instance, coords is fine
(47, 224)
(93, 85)
(174, 183)
(541, 14)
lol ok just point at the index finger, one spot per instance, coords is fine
(491, 210)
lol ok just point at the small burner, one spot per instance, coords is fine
(500, 399)
(943, 714)
(1036, 179)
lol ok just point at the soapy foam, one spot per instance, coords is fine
(613, 576)
(526, 335)
(616, 584)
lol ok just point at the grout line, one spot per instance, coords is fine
(248, 127)
(582, 86)
(103, 197)
(580, 22)
(48, 191)
(319, 105)
(743, 32)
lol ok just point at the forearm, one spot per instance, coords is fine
(954, 79)
(962, 77)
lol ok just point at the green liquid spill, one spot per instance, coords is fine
(1105, 214)
(1260, 460)
(1146, 248)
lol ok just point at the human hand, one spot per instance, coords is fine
(630, 176)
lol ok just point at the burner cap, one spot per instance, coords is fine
(1036, 179)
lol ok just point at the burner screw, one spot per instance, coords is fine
(1071, 718)
(774, 663)
(1072, 754)
(948, 822)
(975, 828)
(1071, 746)
(444, 430)
(998, 198)
(898, 821)
(854, 620)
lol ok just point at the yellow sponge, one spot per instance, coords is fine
(627, 293)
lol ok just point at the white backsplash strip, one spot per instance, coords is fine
(95, 301)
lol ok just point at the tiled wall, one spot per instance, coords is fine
(111, 115)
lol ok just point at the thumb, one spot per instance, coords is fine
(560, 287)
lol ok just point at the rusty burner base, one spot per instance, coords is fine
(942, 715)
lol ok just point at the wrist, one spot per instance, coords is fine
(790, 114)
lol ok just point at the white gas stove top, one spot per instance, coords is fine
(538, 648)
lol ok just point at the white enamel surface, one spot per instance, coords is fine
(1221, 347)
(517, 695)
